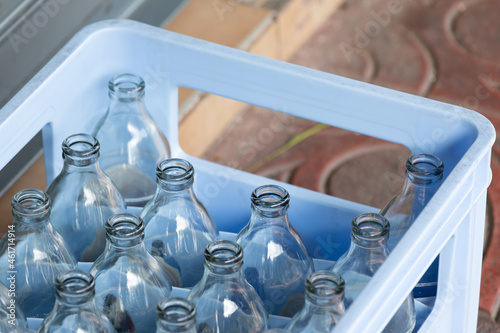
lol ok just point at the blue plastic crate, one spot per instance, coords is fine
(69, 95)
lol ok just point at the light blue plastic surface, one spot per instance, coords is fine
(69, 95)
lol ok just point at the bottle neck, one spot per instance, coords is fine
(223, 259)
(325, 290)
(370, 231)
(270, 205)
(31, 207)
(125, 232)
(80, 150)
(74, 288)
(175, 175)
(175, 314)
(126, 92)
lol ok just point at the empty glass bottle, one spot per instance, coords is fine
(225, 301)
(83, 198)
(367, 252)
(175, 315)
(129, 282)
(11, 314)
(277, 262)
(75, 309)
(424, 175)
(32, 253)
(178, 227)
(132, 144)
(324, 305)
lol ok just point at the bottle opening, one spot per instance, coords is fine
(74, 283)
(269, 199)
(370, 226)
(325, 284)
(176, 311)
(224, 254)
(81, 148)
(125, 227)
(126, 86)
(175, 172)
(425, 167)
(31, 203)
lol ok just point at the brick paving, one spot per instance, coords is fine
(442, 49)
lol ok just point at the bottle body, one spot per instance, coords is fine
(225, 301)
(279, 262)
(40, 253)
(178, 227)
(132, 144)
(129, 281)
(75, 310)
(367, 252)
(324, 305)
(83, 198)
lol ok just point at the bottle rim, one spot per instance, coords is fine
(31, 202)
(124, 227)
(270, 197)
(80, 146)
(325, 285)
(176, 311)
(175, 171)
(370, 226)
(74, 283)
(126, 85)
(425, 166)
(223, 253)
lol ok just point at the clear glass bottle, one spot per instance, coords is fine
(175, 315)
(75, 309)
(324, 304)
(132, 144)
(178, 227)
(277, 262)
(11, 314)
(367, 252)
(424, 175)
(129, 282)
(225, 301)
(40, 253)
(83, 198)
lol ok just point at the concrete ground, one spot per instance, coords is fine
(442, 49)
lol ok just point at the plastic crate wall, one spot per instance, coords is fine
(69, 95)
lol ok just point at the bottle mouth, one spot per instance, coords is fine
(370, 226)
(425, 167)
(176, 311)
(270, 198)
(126, 86)
(325, 285)
(74, 284)
(224, 254)
(124, 228)
(81, 149)
(176, 173)
(31, 203)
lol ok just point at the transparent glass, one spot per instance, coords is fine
(175, 315)
(424, 175)
(324, 305)
(367, 252)
(277, 262)
(21, 330)
(132, 144)
(225, 301)
(33, 253)
(83, 198)
(75, 309)
(178, 227)
(11, 314)
(129, 282)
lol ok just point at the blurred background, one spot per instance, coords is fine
(441, 49)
